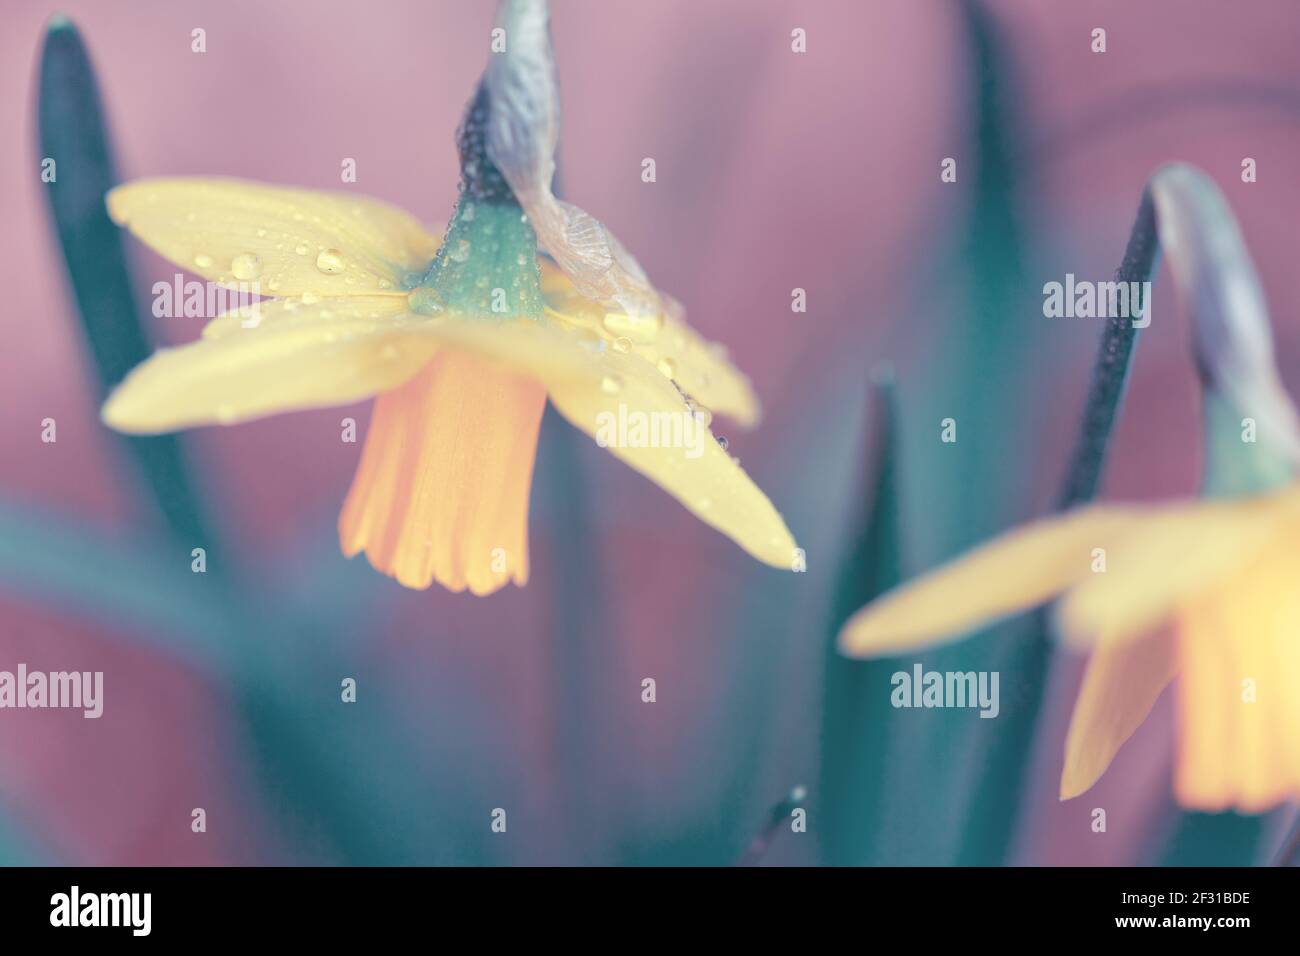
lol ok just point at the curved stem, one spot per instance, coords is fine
(1111, 370)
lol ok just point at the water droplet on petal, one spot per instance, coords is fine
(722, 442)
(301, 249)
(424, 301)
(246, 266)
(611, 384)
(641, 328)
(330, 262)
(203, 261)
(622, 344)
(668, 367)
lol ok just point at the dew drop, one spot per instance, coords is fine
(203, 261)
(622, 344)
(611, 384)
(246, 266)
(722, 442)
(301, 249)
(668, 367)
(330, 262)
(641, 328)
(424, 301)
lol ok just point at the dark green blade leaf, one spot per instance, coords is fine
(73, 135)
(855, 705)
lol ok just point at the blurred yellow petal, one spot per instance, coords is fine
(442, 489)
(586, 382)
(298, 356)
(1019, 570)
(288, 241)
(1179, 550)
(1120, 686)
(1239, 690)
(700, 368)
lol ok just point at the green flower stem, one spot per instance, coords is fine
(1110, 372)
(1026, 659)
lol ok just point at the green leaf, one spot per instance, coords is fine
(590, 725)
(72, 134)
(145, 589)
(978, 370)
(1214, 839)
(856, 695)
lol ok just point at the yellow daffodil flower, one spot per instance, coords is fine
(461, 342)
(1204, 590)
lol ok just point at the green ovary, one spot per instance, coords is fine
(486, 266)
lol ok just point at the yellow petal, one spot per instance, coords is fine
(1016, 571)
(1120, 686)
(700, 368)
(441, 492)
(1239, 689)
(586, 382)
(298, 356)
(1175, 552)
(288, 241)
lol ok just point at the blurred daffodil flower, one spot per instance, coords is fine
(1205, 591)
(461, 341)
